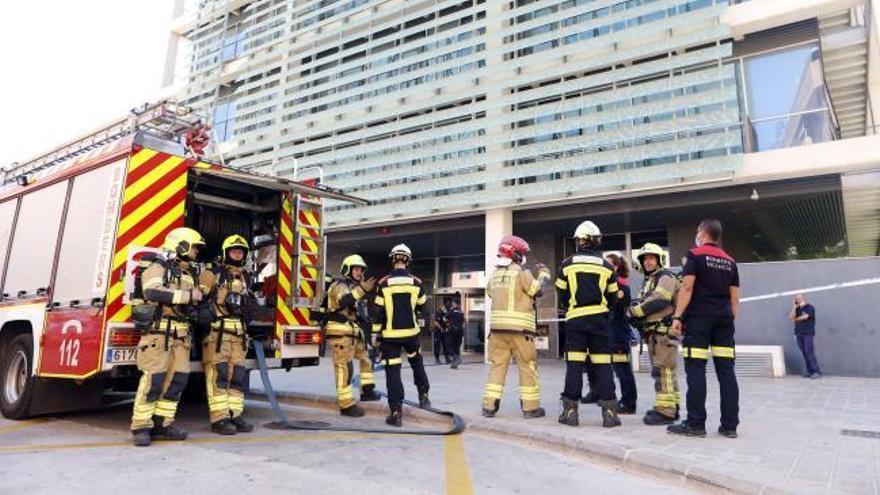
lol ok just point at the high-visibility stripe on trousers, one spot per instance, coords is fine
(502, 347)
(664, 354)
(391, 351)
(343, 349)
(225, 375)
(365, 365)
(164, 374)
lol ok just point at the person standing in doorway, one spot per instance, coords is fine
(454, 331)
(438, 332)
(803, 314)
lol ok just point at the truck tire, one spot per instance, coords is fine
(17, 382)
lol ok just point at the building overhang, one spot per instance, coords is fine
(759, 15)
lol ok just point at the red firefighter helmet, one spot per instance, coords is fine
(513, 247)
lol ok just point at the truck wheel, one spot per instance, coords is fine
(16, 377)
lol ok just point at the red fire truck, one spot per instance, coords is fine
(73, 224)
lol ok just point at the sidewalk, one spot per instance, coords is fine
(790, 436)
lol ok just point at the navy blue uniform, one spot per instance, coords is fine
(586, 286)
(439, 336)
(804, 332)
(454, 332)
(708, 323)
(621, 334)
(400, 295)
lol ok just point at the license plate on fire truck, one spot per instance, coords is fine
(122, 356)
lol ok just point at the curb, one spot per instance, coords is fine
(633, 459)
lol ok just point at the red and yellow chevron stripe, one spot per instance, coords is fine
(310, 235)
(285, 315)
(152, 204)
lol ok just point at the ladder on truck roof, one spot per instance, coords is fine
(163, 119)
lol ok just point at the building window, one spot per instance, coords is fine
(786, 99)
(224, 121)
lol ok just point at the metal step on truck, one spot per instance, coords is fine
(75, 221)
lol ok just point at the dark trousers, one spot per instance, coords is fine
(588, 338)
(439, 347)
(392, 357)
(620, 362)
(453, 341)
(805, 344)
(701, 334)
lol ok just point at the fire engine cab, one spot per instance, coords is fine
(74, 222)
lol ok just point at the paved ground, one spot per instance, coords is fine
(91, 453)
(790, 436)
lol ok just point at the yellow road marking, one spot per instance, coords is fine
(458, 474)
(196, 441)
(20, 425)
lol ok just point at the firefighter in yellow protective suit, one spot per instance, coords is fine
(344, 336)
(226, 285)
(163, 301)
(513, 291)
(651, 314)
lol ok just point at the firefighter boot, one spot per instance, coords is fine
(141, 438)
(424, 403)
(726, 433)
(169, 432)
(490, 413)
(569, 414)
(609, 413)
(535, 413)
(654, 418)
(368, 393)
(241, 425)
(687, 430)
(395, 418)
(223, 427)
(354, 411)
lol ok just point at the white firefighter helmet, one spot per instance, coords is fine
(586, 230)
(651, 248)
(400, 251)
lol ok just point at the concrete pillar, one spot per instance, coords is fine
(499, 223)
(171, 50)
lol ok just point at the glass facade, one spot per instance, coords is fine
(786, 99)
(463, 105)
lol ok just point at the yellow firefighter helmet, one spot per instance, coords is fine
(235, 241)
(656, 250)
(181, 241)
(352, 261)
